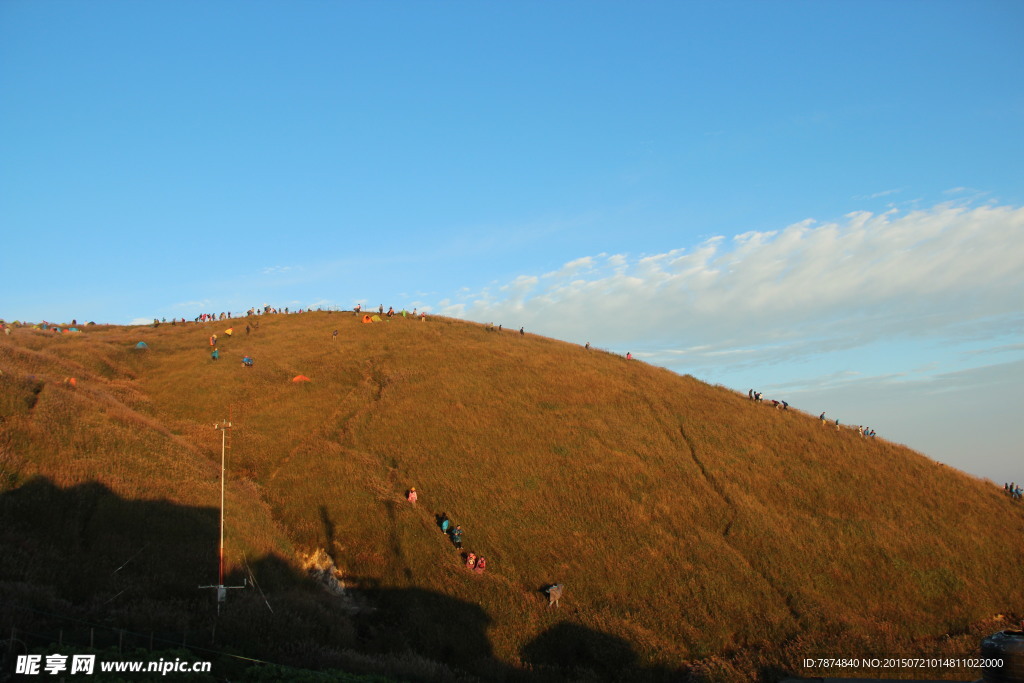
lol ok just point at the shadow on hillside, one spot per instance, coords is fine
(84, 565)
(569, 651)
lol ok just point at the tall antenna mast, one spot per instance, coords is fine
(222, 590)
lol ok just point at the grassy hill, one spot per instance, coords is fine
(695, 531)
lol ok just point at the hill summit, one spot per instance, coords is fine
(696, 533)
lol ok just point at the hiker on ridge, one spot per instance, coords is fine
(457, 536)
(412, 496)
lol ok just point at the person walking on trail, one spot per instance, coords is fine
(215, 354)
(837, 424)
(412, 496)
(521, 332)
(457, 536)
(213, 340)
(822, 417)
(554, 594)
(587, 347)
(750, 394)
(334, 336)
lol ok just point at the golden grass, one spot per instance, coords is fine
(684, 519)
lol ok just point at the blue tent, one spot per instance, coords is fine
(142, 345)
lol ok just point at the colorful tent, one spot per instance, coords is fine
(300, 378)
(376, 319)
(142, 345)
(367, 319)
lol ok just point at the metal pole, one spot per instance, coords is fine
(220, 571)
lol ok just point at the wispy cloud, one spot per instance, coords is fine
(278, 270)
(809, 285)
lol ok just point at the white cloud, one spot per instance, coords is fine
(141, 321)
(868, 277)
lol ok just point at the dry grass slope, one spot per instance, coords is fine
(686, 522)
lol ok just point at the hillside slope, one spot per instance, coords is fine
(686, 522)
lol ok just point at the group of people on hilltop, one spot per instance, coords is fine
(358, 308)
(758, 397)
(252, 312)
(861, 429)
(1013, 490)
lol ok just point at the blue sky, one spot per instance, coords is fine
(821, 200)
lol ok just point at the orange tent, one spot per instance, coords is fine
(301, 378)
(367, 319)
